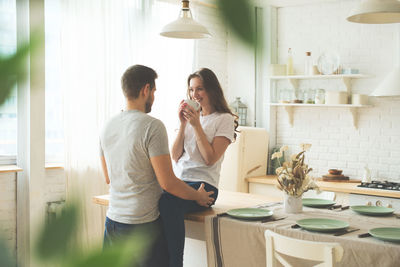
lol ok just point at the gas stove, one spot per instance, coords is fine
(381, 185)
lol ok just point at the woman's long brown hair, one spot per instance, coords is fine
(214, 92)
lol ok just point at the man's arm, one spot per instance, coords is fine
(170, 183)
(104, 167)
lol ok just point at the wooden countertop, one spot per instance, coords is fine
(340, 187)
(226, 200)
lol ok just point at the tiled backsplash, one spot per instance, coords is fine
(374, 50)
(337, 144)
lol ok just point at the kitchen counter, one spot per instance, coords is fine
(226, 200)
(339, 187)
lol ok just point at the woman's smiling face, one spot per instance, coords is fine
(197, 91)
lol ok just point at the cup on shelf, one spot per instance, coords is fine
(336, 97)
(359, 99)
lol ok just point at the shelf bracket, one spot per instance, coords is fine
(289, 111)
(347, 83)
(354, 113)
(294, 83)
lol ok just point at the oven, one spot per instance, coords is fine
(358, 199)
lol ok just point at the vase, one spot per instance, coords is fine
(292, 204)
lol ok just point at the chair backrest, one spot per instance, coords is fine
(247, 157)
(276, 244)
(323, 194)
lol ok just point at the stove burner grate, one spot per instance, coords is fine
(381, 185)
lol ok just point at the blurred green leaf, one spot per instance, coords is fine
(13, 68)
(55, 236)
(128, 252)
(239, 16)
(10, 68)
(5, 258)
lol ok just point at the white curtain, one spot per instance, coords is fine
(99, 40)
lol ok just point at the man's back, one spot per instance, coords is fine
(127, 142)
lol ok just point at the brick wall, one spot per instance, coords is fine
(8, 211)
(212, 52)
(374, 50)
(54, 191)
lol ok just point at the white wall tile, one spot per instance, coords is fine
(373, 49)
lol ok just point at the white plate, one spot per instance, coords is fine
(328, 63)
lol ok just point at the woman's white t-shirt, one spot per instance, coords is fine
(191, 166)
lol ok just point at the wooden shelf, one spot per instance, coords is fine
(10, 168)
(289, 108)
(294, 79)
(306, 77)
(320, 105)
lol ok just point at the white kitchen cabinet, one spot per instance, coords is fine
(294, 81)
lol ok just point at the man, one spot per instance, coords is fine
(136, 163)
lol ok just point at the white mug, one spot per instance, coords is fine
(192, 103)
(358, 99)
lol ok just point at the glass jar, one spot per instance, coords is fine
(310, 96)
(284, 95)
(299, 96)
(320, 96)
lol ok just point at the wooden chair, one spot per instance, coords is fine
(324, 195)
(277, 244)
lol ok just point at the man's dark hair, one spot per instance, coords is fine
(134, 78)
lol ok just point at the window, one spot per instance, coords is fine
(8, 111)
(54, 97)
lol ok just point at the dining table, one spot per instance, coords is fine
(233, 241)
(240, 242)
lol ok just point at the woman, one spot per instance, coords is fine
(198, 151)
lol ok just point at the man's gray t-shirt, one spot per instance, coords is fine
(127, 142)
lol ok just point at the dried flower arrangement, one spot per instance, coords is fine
(293, 175)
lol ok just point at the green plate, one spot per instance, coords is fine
(322, 224)
(250, 213)
(317, 202)
(386, 233)
(372, 210)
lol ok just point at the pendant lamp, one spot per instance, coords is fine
(185, 27)
(376, 12)
(390, 86)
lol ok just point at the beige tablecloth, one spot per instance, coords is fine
(231, 242)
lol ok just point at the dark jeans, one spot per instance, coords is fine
(155, 253)
(172, 211)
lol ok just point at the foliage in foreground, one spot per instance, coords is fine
(58, 245)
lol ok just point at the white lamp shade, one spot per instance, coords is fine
(390, 86)
(376, 12)
(185, 27)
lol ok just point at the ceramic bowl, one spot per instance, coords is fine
(335, 171)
